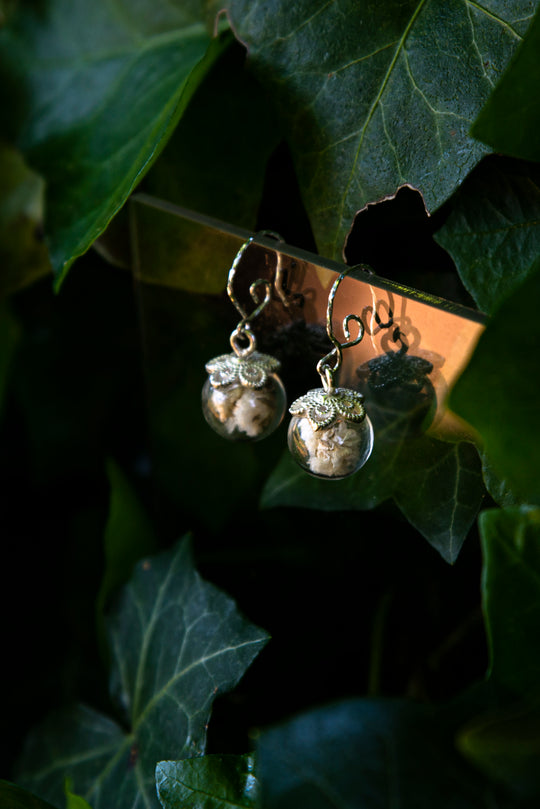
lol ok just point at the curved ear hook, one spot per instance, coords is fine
(325, 370)
(244, 327)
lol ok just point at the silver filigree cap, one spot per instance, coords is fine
(323, 407)
(251, 372)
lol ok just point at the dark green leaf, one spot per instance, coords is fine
(14, 797)
(95, 93)
(498, 393)
(440, 490)
(379, 94)
(362, 753)
(23, 255)
(493, 231)
(210, 782)
(437, 485)
(510, 120)
(511, 596)
(497, 487)
(176, 642)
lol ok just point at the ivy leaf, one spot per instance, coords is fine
(437, 485)
(498, 391)
(515, 99)
(493, 231)
(378, 95)
(511, 595)
(368, 753)
(14, 797)
(441, 492)
(497, 487)
(95, 92)
(176, 642)
(210, 782)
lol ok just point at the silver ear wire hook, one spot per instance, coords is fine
(326, 371)
(244, 330)
(330, 435)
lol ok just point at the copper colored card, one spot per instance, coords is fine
(414, 345)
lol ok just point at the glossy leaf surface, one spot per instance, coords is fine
(176, 642)
(378, 95)
(210, 782)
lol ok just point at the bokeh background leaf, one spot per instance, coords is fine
(95, 92)
(504, 744)
(361, 752)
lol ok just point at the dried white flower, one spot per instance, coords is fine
(331, 452)
(243, 411)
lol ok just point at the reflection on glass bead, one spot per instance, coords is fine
(241, 413)
(332, 452)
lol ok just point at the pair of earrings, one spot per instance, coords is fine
(330, 435)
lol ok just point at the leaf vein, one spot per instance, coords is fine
(372, 109)
(495, 17)
(201, 661)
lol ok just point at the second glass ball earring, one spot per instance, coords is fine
(243, 398)
(330, 436)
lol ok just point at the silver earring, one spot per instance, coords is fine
(243, 398)
(330, 435)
